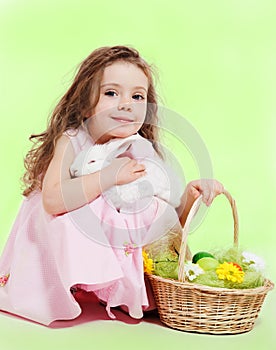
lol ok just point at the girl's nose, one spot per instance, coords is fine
(124, 105)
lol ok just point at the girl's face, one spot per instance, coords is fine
(122, 106)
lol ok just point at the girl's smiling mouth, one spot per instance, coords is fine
(122, 119)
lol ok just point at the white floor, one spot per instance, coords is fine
(93, 330)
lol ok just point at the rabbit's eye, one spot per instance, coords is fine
(91, 161)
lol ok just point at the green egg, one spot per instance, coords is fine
(201, 255)
(208, 263)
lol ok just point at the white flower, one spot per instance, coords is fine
(253, 261)
(192, 270)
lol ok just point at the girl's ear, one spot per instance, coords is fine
(88, 113)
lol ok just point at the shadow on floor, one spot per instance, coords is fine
(92, 310)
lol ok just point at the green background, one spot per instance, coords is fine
(217, 68)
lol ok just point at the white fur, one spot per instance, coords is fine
(156, 182)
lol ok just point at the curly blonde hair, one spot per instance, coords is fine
(82, 97)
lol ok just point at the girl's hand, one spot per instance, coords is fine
(209, 189)
(124, 170)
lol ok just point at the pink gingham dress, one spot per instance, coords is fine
(96, 248)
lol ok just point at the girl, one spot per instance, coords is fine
(66, 235)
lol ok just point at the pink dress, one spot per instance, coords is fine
(95, 248)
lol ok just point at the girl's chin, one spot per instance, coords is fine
(123, 132)
(117, 135)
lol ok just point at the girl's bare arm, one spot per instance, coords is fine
(209, 188)
(61, 193)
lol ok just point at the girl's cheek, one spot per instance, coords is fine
(105, 106)
(141, 110)
(109, 102)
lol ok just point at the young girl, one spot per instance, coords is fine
(66, 234)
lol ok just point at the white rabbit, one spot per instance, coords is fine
(99, 156)
(156, 182)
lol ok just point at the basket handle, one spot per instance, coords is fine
(185, 230)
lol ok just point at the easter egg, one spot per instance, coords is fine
(208, 263)
(201, 255)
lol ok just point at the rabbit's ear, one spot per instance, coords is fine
(119, 146)
(120, 150)
(125, 147)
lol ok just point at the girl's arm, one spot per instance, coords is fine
(61, 193)
(209, 189)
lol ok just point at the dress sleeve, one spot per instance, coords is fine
(79, 138)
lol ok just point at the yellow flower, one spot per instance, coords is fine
(148, 263)
(230, 272)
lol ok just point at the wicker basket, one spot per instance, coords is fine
(197, 308)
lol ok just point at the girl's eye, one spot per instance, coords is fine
(138, 97)
(110, 93)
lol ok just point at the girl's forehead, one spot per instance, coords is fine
(124, 73)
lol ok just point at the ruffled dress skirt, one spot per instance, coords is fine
(95, 248)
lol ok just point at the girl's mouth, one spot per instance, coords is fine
(122, 119)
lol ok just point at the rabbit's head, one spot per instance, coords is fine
(97, 158)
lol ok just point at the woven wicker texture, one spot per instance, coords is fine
(197, 308)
